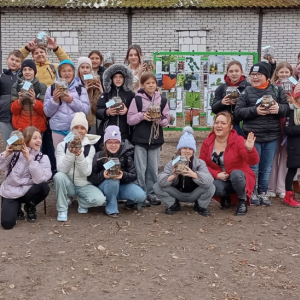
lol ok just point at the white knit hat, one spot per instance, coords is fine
(83, 60)
(80, 119)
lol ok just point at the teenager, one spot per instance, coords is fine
(96, 58)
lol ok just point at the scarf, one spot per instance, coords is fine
(264, 86)
(228, 81)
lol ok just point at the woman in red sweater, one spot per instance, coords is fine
(228, 157)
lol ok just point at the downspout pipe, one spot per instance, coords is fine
(129, 17)
(260, 26)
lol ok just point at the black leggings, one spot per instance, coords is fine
(289, 178)
(36, 194)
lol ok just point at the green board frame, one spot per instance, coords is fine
(178, 53)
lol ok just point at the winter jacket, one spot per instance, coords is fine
(142, 128)
(45, 71)
(204, 180)
(100, 72)
(24, 174)
(110, 90)
(265, 128)
(220, 93)
(78, 168)
(125, 155)
(62, 113)
(236, 157)
(7, 79)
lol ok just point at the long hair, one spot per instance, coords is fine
(232, 63)
(97, 53)
(138, 49)
(28, 134)
(281, 65)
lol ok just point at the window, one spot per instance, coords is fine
(67, 39)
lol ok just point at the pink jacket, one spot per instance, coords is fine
(134, 117)
(24, 174)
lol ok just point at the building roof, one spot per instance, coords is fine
(151, 3)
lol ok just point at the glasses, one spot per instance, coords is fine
(113, 143)
(256, 75)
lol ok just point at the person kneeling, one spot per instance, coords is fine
(194, 184)
(74, 165)
(27, 173)
(117, 183)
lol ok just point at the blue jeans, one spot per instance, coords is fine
(115, 191)
(262, 170)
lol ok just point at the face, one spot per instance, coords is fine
(14, 63)
(28, 73)
(133, 57)
(150, 86)
(39, 56)
(234, 73)
(36, 141)
(118, 80)
(221, 126)
(257, 79)
(81, 130)
(113, 146)
(67, 72)
(84, 69)
(284, 73)
(187, 152)
(96, 61)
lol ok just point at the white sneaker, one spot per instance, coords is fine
(281, 195)
(62, 216)
(272, 194)
(82, 210)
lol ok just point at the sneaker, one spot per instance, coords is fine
(173, 209)
(30, 209)
(62, 216)
(129, 206)
(82, 210)
(153, 200)
(254, 199)
(113, 215)
(271, 194)
(281, 195)
(264, 199)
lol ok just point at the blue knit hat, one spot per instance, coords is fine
(187, 139)
(66, 61)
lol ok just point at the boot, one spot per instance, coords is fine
(20, 215)
(241, 208)
(202, 211)
(30, 209)
(173, 209)
(290, 200)
(225, 202)
(296, 187)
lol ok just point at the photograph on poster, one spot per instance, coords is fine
(173, 103)
(192, 64)
(169, 62)
(173, 117)
(216, 64)
(192, 100)
(192, 117)
(179, 106)
(159, 79)
(180, 64)
(215, 80)
(169, 81)
(189, 82)
(243, 60)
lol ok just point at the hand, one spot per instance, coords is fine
(106, 174)
(25, 152)
(51, 43)
(56, 95)
(147, 117)
(20, 100)
(73, 150)
(124, 110)
(32, 96)
(271, 59)
(89, 85)
(119, 177)
(98, 86)
(8, 151)
(261, 111)
(142, 68)
(249, 143)
(111, 111)
(290, 99)
(274, 109)
(67, 98)
(78, 152)
(190, 173)
(223, 176)
(32, 45)
(226, 100)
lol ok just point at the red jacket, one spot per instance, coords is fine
(236, 157)
(22, 117)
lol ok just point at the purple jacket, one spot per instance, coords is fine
(62, 114)
(24, 174)
(134, 117)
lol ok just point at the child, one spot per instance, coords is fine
(27, 173)
(84, 67)
(277, 179)
(121, 187)
(61, 109)
(28, 110)
(194, 185)
(7, 79)
(234, 77)
(97, 58)
(117, 82)
(74, 166)
(147, 142)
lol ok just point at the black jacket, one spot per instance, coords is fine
(266, 128)
(220, 93)
(100, 73)
(293, 141)
(127, 165)
(7, 79)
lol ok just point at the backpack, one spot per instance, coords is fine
(86, 150)
(139, 103)
(52, 67)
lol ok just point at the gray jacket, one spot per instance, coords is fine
(204, 180)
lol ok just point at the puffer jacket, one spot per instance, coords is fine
(61, 114)
(265, 128)
(24, 174)
(44, 71)
(125, 155)
(204, 180)
(78, 168)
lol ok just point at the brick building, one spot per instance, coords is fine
(156, 25)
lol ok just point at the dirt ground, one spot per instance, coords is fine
(148, 255)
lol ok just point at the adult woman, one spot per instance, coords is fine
(61, 109)
(228, 156)
(234, 78)
(263, 122)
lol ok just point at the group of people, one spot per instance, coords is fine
(232, 158)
